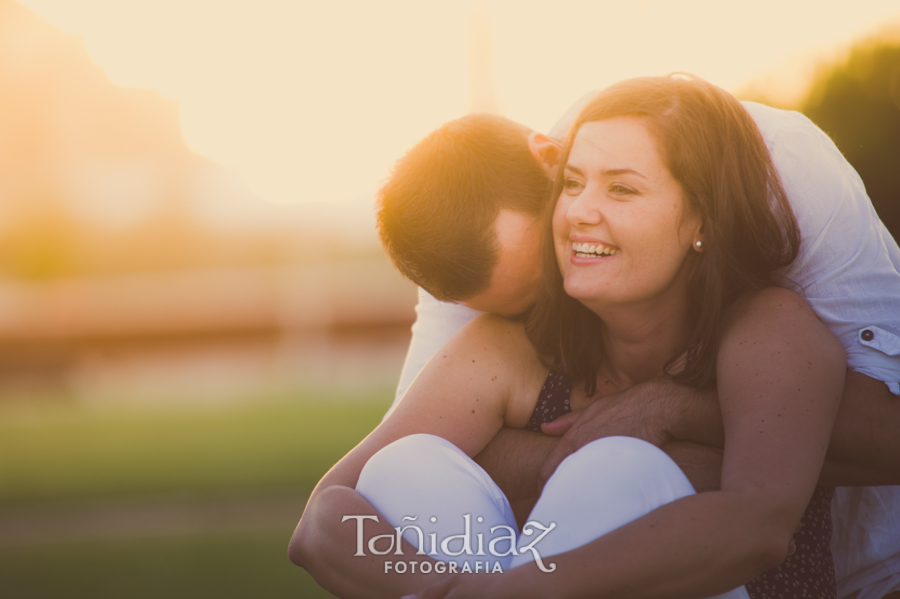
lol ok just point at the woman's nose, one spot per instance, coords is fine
(585, 209)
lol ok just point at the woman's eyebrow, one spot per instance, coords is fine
(623, 171)
(608, 173)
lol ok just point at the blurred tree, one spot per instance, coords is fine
(857, 103)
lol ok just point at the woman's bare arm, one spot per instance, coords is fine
(778, 410)
(465, 394)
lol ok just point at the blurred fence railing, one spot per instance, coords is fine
(362, 293)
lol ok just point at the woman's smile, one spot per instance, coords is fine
(586, 250)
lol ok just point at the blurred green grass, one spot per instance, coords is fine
(66, 452)
(61, 454)
(215, 566)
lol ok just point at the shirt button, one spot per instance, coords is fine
(867, 335)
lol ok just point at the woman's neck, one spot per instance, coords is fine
(641, 339)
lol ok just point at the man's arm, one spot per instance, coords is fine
(865, 445)
(701, 464)
(864, 449)
(513, 459)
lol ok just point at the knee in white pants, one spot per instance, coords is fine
(425, 483)
(632, 468)
(603, 486)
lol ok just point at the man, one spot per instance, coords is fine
(462, 217)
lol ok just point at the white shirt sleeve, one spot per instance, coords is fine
(846, 266)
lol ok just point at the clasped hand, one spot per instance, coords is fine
(640, 411)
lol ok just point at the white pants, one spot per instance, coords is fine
(448, 507)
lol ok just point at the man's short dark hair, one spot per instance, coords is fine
(436, 214)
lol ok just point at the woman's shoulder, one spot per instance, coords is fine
(765, 303)
(776, 316)
(504, 343)
(495, 333)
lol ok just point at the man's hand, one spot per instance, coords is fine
(656, 411)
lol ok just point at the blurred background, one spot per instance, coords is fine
(196, 319)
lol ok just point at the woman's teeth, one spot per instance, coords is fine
(587, 250)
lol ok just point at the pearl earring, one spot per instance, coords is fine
(698, 245)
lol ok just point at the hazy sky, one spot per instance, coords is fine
(315, 100)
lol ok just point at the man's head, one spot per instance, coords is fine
(461, 214)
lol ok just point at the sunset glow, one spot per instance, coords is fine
(314, 101)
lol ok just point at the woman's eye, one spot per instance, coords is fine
(573, 184)
(621, 190)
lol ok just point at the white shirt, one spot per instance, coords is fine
(847, 269)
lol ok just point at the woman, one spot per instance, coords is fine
(669, 228)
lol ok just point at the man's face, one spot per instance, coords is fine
(516, 279)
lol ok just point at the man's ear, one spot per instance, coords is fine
(546, 152)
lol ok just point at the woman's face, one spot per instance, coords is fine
(621, 228)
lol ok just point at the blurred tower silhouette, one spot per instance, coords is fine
(482, 88)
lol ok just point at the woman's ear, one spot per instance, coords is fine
(546, 152)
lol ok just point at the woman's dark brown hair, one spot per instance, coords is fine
(713, 148)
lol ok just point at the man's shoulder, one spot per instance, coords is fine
(779, 124)
(813, 171)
